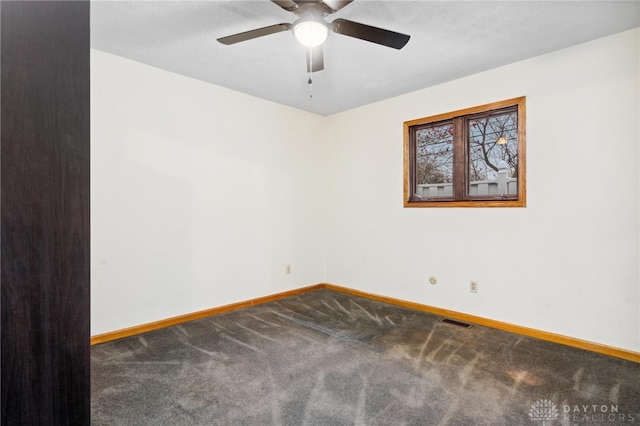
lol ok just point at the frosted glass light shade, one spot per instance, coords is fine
(310, 33)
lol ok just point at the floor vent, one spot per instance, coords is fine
(458, 323)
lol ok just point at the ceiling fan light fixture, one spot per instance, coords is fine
(310, 33)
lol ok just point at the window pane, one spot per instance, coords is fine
(493, 155)
(434, 160)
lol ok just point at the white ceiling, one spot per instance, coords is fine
(449, 40)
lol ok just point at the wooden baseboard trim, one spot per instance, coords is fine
(525, 331)
(132, 331)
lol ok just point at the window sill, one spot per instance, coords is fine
(466, 203)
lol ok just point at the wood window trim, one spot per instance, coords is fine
(409, 154)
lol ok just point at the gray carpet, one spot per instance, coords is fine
(327, 358)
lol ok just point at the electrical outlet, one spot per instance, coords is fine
(473, 286)
(287, 269)
(433, 280)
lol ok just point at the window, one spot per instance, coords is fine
(469, 158)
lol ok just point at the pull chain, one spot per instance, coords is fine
(310, 81)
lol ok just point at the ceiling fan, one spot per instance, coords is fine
(312, 30)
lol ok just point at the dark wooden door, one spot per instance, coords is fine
(44, 178)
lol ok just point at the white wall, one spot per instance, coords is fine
(568, 262)
(200, 195)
